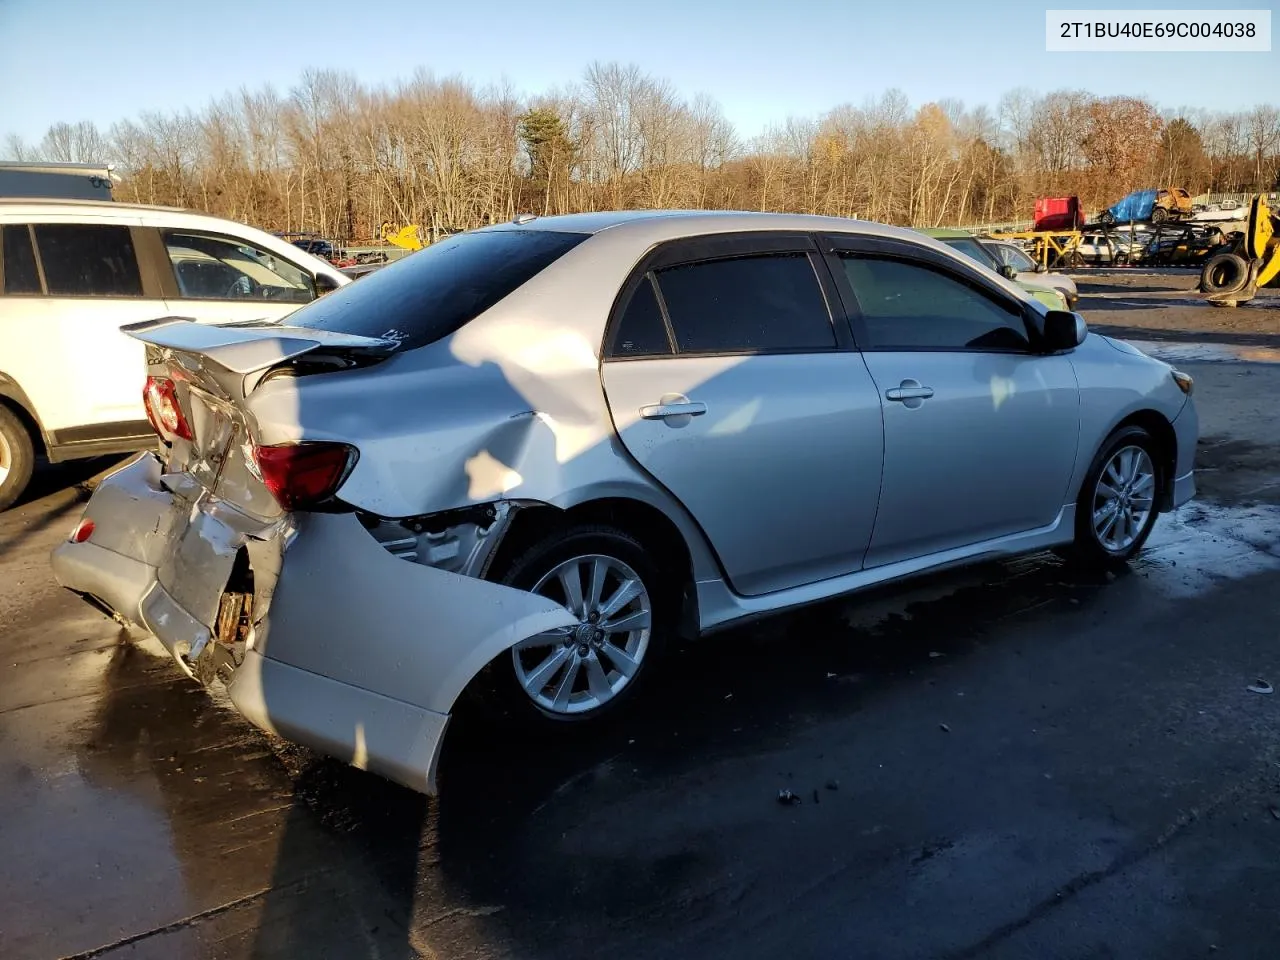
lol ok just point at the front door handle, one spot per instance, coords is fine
(910, 393)
(673, 405)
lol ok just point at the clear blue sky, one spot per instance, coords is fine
(762, 59)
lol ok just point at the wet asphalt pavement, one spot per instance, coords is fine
(1012, 761)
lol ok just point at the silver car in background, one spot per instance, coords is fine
(551, 447)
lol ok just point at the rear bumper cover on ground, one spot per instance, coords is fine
(354, 652)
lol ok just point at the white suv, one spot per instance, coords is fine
(72, 272)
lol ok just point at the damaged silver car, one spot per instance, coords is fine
(550, 447)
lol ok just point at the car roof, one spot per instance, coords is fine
(943, 233)
(658, 225)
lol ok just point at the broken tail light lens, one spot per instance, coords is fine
(160, 397)
(302, 475)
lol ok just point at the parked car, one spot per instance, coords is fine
(553, 446)
(1156, 206)
(1028, 270)
(1108, 247)
(967, 244)
(72, 272)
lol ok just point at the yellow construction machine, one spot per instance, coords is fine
(1234, 275)
(406, 238)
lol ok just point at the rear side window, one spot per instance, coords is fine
(88, 260)
(747, 304)
(20, 273)
(642, 332)
(433, 292)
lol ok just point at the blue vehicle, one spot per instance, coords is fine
(1155, 206)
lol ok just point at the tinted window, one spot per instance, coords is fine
(972, 249)
(431, 293)
(20, 274)
(88, 260)
(753, 303)
(641, 330)
(210, 267)
(908, 306)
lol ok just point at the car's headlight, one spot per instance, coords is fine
(1184, 381)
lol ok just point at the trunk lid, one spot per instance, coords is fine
(215, 368)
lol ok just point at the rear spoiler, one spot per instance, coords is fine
(245, 349)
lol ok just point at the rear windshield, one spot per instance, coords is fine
(431, 293)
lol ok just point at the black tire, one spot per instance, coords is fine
(18, 454)
(1159, 215)
(1087, 548)
(1224, 273)
(1107, 217)
(538, 561)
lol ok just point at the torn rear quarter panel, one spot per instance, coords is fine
(346, 609)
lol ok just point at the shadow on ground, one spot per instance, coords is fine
(354, 859)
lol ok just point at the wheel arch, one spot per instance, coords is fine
(15, 399)
(646, 522)
(1160, 428)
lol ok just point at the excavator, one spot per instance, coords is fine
(406, 238)
(1252, 260)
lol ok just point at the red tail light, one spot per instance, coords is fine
(160, 397)
(301, 475)
(82, 532)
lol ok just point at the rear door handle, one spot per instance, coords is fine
(910, 392)
(673, 408)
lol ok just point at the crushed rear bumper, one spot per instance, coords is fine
(352, 652)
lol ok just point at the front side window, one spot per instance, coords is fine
(209, 267)
(1016, 259)
(20, 273)
(749, 304)
(88, 260)
(911, 306)
(972, 249)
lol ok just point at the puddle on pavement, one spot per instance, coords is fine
(1202, 544)
(1173, 351)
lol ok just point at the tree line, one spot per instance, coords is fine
(340, 158)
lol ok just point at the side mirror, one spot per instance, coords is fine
(325, 284)
(1041, 268)
(1063, 330)
(1008, 272)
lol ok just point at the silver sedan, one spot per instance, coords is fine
(551, 447)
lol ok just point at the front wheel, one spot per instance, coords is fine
(1159, 215)
(1117, 507)
(624, 610)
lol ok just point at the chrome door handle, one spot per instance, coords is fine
(907, 391)
(683, 408)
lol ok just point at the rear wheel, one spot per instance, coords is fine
(1118, 501)
(625, 610)
(17, 458)
(1159, 215)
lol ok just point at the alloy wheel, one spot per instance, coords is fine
(1123, 498)
(579, 669)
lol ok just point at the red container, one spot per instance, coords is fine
(1058, 213)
